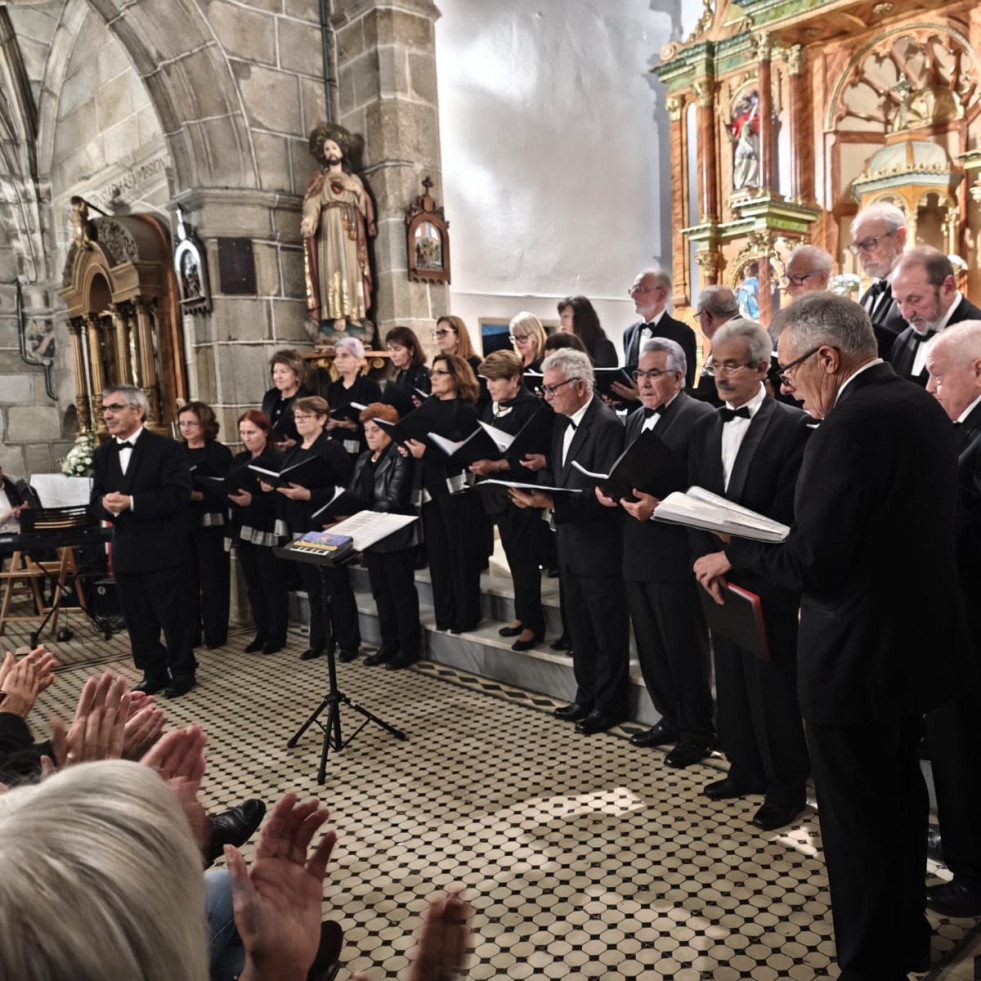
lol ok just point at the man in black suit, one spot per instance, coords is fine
(717, 305)
(750, 451)
(672, 640)
(954, 364)
(924, 288)
(878, 240)
(142, 485)
(650, 292)
(875, 506)
(588, 540)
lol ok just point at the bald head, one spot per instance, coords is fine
(953, 360)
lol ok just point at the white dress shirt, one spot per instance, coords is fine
(919, 357)
(961, 418)
(126, 453)
(734, 432)
(651, 421)
(570, 431)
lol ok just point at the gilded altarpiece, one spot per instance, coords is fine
(788, 116)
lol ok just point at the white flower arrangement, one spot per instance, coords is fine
(844, 283)
(78, 462)
(958, 263)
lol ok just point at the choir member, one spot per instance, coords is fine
(289, 376)
(352, 386)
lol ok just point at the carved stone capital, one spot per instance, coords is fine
(674, 106)
(705, 93)
(795, 59)
(763, 44)
(710, 263)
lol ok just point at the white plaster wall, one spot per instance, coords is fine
(555, 152)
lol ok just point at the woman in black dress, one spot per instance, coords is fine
(254, 532)
(383, 480)
(528, 337)
(300, 503)
(289, 376)
(577, 316)
(210, 566)
(449, 513)
(352, 386)
(512, 406)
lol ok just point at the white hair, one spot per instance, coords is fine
(757, 339)
(825, 318)
(961, 341)
(894, 217)
(100, 879)
(135, 397)
(676, 360)
(573, 365)
(352, 345)
(817, 259)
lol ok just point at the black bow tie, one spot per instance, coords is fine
(124, 445)
(572, 425)
(879, 286)
(648, 326)
(727, 414)
(659, 411)
(919, 338)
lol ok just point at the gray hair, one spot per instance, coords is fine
(757, 339)
(573, 364)
(818, 259)
(962, 341)
(893, 217)
(825, 318)
(676, 359)
(135, 397)
(352, 345)
(718, 301)
(662, 278)
(100, 879)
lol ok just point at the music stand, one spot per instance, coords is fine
(334, 698)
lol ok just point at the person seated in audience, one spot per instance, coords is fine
(352, 386)
(289, 376)
(528, 337)
(450, 514)
(383, 480)
(11, 505)
(408, 358)
(577, 316)
(311, 415)
(512, 406)
(210, 567)
(254, 531)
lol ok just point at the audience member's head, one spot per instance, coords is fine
(808, 270)
(878, 238)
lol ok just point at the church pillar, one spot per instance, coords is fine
(96, 374)
(708, 184)
(797, 98)
(679, 200)
(764, 49)
(386, 75)
(148, 366)
(82, 403)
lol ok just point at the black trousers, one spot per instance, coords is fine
(456, 555)
(211, 584)
(759, 722)
(873, 807)
(955, 748)
(153, 602)
(519, 536)
(393, 587)
(341, 605)
(673, 650)
(265, 581)
(597, 613)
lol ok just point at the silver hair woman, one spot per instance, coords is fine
(100, 879)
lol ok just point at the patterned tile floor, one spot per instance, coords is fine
(584, 857)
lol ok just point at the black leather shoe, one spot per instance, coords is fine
(399, 662)
(954, 899)
(728, 789)
(935, 849)
(685, 753)
(379, 657)
(310, 653)
(510, 631)
(328, 960)
(572, 713)
(256, 645)
(272, 647)
(526, 645)
(561, 644)
(346, 657)
(178, 687)
(150, 686)
(770, 817)
(234, 826)
(597, 722)
(658, 735)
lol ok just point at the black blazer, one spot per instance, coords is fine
(387, 486)
(652, 551)
(256, 523)
(902, 354)
(365, 390)
(153, 535)
(887, 323)
(588, 535)
(764, 476)
(673, 330)
(415, 377)
(297, 513)
(969, 524)
(214, 459)
(280, 415)
(872, 548)
(603, 354)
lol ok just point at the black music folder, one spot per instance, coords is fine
(218, 488)
(605, 377)
(314, 471)
(739, 619)
(400, 397)
(351, 411)
(648, 464)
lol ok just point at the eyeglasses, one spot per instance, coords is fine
(637, 288)
(702, 313)
(639, 375)
(799, 280)
(549, 390)
(782, 371)
(440, 371)
(442, 333)
(727, 368)
(115, 407)
(868, 244)
(517, 338)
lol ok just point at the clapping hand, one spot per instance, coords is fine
(41, 658)
(179, 759)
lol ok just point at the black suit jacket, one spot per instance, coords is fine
(902, 354)
(588, 535)
(969, 524)
(887, 322)
(652, 551)
(872, 549)
(764, 476)
(667, 327)
(153, 535)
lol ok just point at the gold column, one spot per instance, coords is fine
(96, 372)
(82, 403)
(120, 336)
(147, 359)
